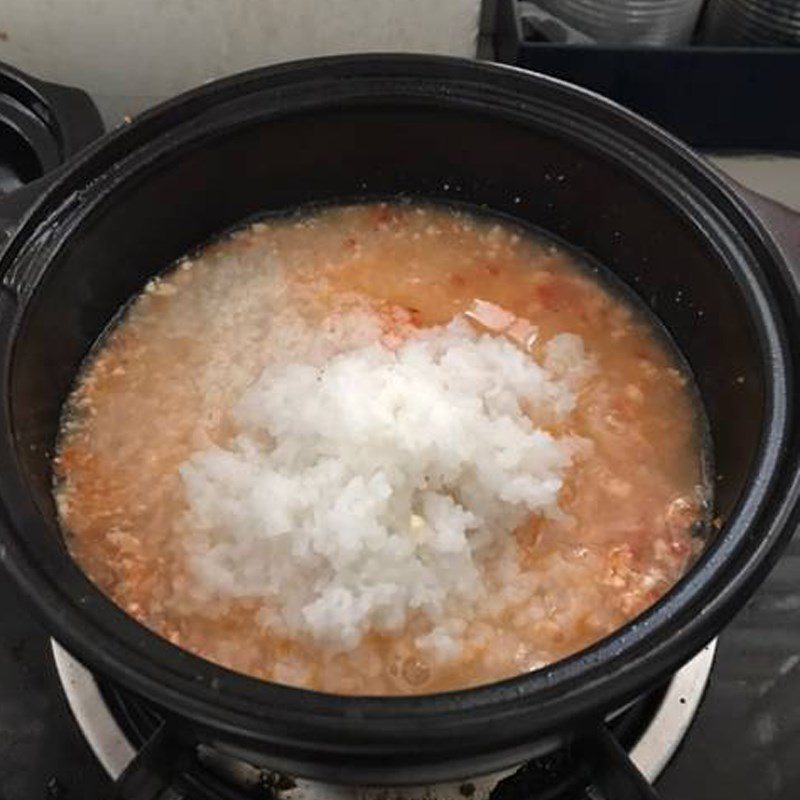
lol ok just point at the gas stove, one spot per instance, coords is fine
(725, 726)
(116, 727)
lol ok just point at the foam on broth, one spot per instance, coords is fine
(161, 386)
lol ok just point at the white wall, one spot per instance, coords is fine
(130, 53)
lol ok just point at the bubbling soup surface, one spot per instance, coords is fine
(382, 449)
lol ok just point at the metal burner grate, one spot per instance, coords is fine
(119, 728)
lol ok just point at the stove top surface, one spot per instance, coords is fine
(743, 742)
(43, 755)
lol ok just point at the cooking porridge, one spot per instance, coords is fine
(382, 449)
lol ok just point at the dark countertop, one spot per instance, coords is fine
(42, 753)
(745, 740)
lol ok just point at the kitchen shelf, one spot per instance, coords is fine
(717, 98)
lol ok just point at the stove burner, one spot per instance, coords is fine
(116, 726)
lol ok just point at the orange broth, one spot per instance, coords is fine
(160, 386)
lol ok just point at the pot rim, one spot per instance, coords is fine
(606, 674)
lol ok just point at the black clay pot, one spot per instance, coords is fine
(531, 147)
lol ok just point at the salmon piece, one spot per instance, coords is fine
(495, 319)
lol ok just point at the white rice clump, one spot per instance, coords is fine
(362, 493)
